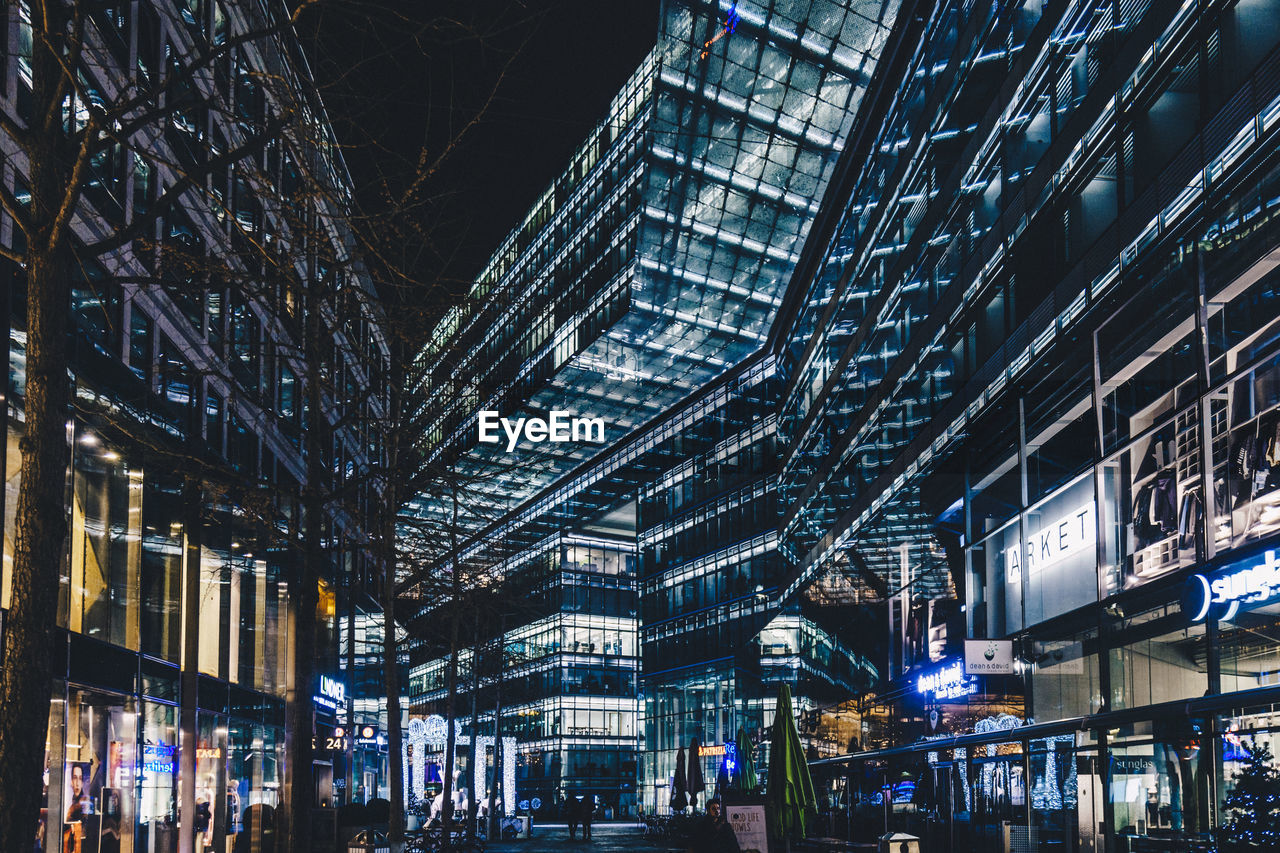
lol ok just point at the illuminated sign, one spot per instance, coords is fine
(210, 752)
(711, 749)
(1073, 533)
(332, 695)
(949, 682)
(1231, 588)
(157, 758)
(988, 657)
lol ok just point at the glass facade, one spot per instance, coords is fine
(561, 679)
(656, 261)
(1027, 399)
(178, 587)
(640, 289)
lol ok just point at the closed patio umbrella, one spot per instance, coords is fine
(678, 785)
(789, 797)
(744, 776)
(696, 782)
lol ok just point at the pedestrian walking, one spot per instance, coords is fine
(586, 811)
(571, 812)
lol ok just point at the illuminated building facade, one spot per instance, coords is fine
(172, 671)
(641, 289)
(1029, 401)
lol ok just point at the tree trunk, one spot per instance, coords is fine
(499, 760)
(41, 521)
(451, 702)
(306, 598)
(41, 514)
(390, 650)
(473, 805)
(450, 714)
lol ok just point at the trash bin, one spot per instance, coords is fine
(369, 841)
(899, 842)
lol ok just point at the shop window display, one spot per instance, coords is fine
(1250, 814)
(158, 779)
(1160, 792)
(98, 797)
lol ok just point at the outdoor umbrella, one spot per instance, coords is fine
(744, 776)
(678, 784)
(789, 798)
(723, 784)
(696, 782)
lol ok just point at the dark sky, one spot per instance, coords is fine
(400, 74)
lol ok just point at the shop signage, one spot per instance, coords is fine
(1072, 534)
(332, 695)
(711, 749)
(1236, 586)
(949, 682)
(208, 752)
(748, 824)
(157, 758)
(988, 657)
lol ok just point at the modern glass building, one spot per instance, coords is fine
(1028, 394)
(191, 377)
(637, 290)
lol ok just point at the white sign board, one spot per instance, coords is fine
(1072, 534)
(988, 657)
(748, 825)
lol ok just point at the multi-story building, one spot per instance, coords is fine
(189, 434)
(1030, 378)
(645, 275)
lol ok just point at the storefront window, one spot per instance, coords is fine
(1250, 781)
(1156, 657)
(212, 824)
(97, 788)
(158, 779)
(105, 542)
(1160, 792)
(255, 773)
(1065, 681)
(161, 569)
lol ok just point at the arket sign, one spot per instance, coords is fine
(1070, 535)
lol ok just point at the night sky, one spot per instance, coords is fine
(396, 75)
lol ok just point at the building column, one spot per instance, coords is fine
(189, 689)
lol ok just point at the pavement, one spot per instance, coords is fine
(605, 838)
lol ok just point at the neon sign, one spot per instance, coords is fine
(949, 682)
(1250, 586)
(332, 695)
(157, 758)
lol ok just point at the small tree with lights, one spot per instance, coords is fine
(1252, 810)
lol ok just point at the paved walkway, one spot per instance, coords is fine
(605, 838)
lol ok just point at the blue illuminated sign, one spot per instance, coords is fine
(332, 695)
(157, 758)
(948, 682)
(1236, 586)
